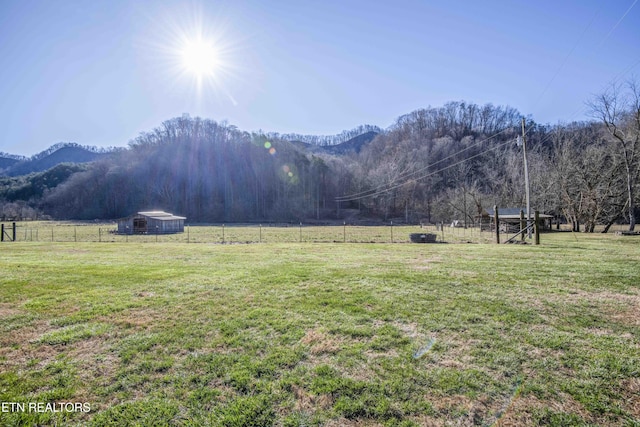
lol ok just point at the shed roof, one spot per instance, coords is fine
(513, 213)
(161, 215)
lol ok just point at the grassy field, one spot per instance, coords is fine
(335, 334)
(60, 232)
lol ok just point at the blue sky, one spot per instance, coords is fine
(100, 72)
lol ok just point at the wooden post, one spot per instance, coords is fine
(344, 232)
(222, 233)
(536, 226)
(523, 224)
(2, 233)
(497, 223)
(260, 233)
(391, 231)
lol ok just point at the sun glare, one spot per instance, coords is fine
(200, 58)
(197, 52)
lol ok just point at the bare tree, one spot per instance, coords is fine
(619, 110)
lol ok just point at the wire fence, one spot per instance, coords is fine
(253, 233)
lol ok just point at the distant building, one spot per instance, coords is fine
(510, 219)
(152, 222)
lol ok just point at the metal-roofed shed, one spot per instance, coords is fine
(510, 219)
(151, 222)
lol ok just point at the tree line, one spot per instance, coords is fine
(434, 164)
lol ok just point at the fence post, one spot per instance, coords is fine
(2, 233)
(344, 232)
(260, 233)
(536, 227)
(391, 231)
(522, 225)
(222, 233)
(300, 232)
(497, 223)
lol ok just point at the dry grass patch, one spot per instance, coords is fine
(527, 411)
(8, 310)
(137, 319)
(426, 263)
(631, 392)
(321, 343)
(344, 422)
(307, 402)
(20, 347)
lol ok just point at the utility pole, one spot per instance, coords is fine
(522, 140)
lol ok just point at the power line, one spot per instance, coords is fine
(617, 23)
(381, 190)
(566, 58)
(596, 47)
(406, 176)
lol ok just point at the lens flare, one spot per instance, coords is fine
(424, 349)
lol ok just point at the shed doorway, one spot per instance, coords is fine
(139, 225)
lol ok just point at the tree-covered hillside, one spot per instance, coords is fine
(434, 164)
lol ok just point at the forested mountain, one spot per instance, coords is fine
(64, 152)
(434, 164)
(7, 160)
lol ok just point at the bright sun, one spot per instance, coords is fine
(200, 58)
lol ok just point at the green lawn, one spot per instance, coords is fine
(305, 334)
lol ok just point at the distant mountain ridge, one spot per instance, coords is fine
(353, 145)
(70, 152)
(65, 152)
(7, 161)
